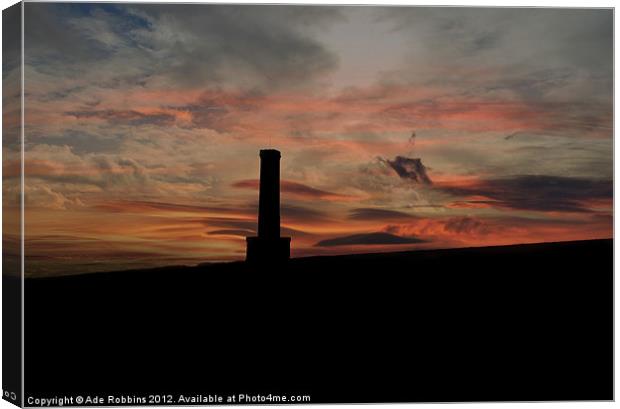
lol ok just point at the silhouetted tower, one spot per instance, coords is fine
(269, 194)
(269, 247)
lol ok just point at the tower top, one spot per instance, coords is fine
(270, 153)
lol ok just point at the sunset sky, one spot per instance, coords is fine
(441, 127)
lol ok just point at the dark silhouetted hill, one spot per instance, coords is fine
(528, 322)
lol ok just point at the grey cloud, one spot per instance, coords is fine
(267, 45)
(534, 84)
(111, 179)
(112, 173)
(191, 45)
(535, 54)
(60, 94)
(568, 35)
(11, 33)
(80, 142)
(52, 41)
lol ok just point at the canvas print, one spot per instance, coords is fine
(291, 204)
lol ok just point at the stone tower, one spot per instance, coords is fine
(268, 246)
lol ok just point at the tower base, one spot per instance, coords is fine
(268, 251)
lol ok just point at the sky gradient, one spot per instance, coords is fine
(400, 128)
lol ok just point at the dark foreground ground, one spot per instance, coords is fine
(531, 322)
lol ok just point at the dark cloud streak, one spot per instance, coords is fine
(372, 214)
(126, 117)
(295, 188)
(538, 192)
(410, 168)
(380, 238)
